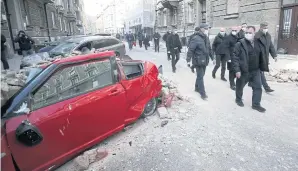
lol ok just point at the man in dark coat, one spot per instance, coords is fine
(241, 33)
(174, 46)
(141, 39)
(146, 41)
(165, 38)
(265, 38)
(25, 43)
(218, 49)
(156, 37)
(130, 39)
(3, 52)
(199, 51)
(118, 36)
(228, 46)
(248, 60)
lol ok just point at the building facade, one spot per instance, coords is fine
(43, 20)
(140, 16)
(185, 15)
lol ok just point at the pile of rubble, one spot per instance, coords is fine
(11, 82)
(173, 105)
(283, 75)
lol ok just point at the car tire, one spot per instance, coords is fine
(150, 108)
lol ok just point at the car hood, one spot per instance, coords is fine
(34, 59)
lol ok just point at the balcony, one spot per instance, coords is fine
(169, 3)
(71, 16)
(79, 23)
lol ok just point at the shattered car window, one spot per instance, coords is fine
(64, 48)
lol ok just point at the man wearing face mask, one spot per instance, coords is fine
(199, 51)
(165, 38)
(248, 62)
(265, 38)
(174, 46)
(242, 31)
(229, 44)
(218, 49)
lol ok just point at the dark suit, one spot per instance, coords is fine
(249, 60)
(218, 49)
(265, 40)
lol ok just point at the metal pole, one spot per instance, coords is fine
(9, 25)
(47, 22)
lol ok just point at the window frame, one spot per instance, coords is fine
(63, 66)
(132, 63)
(53, 19)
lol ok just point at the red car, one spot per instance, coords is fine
(71, 105)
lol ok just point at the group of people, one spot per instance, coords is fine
(244, 51)
(25, 47)
(142, 38)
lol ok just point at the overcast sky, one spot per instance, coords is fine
(94, 7)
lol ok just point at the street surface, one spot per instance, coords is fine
(217, 135)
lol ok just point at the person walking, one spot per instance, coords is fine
(241, 33)
(199, 51)
(218, 49)
(156, 37)
(118, 36)
(130, 40)
(146, 41)
(141, 39)
(265, 38)
(3, 52)
(165, 38)
(174, 46)
(228, 46)
(249, 60)
(25, 43)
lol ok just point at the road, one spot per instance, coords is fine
(217, 135)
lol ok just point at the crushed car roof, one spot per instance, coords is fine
(85, 57)
(87, 38)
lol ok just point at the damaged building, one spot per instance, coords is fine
(185, 15)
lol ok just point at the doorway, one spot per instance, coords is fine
(288, 34)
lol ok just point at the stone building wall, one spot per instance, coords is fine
(228, 13)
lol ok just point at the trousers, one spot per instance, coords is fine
(199, 86)
(254, 80)
(175, 58)
(156, 45)
(220, 59)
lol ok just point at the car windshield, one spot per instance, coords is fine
(64, 48)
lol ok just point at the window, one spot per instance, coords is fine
(99, 44)
(42, 18)
(65, 26)
(53, 20)
(174, 15)
(165, 18)
(77, 80)
(60, 23)
(190, 13)
(111, 42)
(132, 70)
(26, 9)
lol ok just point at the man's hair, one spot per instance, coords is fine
(253, 27)
(263, 24)
(244, 23)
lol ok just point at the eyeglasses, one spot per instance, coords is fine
(234, 30)
(248, 33)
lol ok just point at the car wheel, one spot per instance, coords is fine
(150, 108)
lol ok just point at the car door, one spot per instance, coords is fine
(72, 110)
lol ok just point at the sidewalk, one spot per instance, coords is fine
(14, 62)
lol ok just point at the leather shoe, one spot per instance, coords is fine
(259, 109)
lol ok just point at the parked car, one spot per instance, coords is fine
(73, 104)
(77, 46)
(53, 44)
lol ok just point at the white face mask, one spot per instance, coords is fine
(249, 36)
(265, 31)
(234, 32)
(222, 33)
(175, 32)
(206, 32)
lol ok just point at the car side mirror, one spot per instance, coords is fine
(28, 134)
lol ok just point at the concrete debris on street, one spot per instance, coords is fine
(283, 75)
